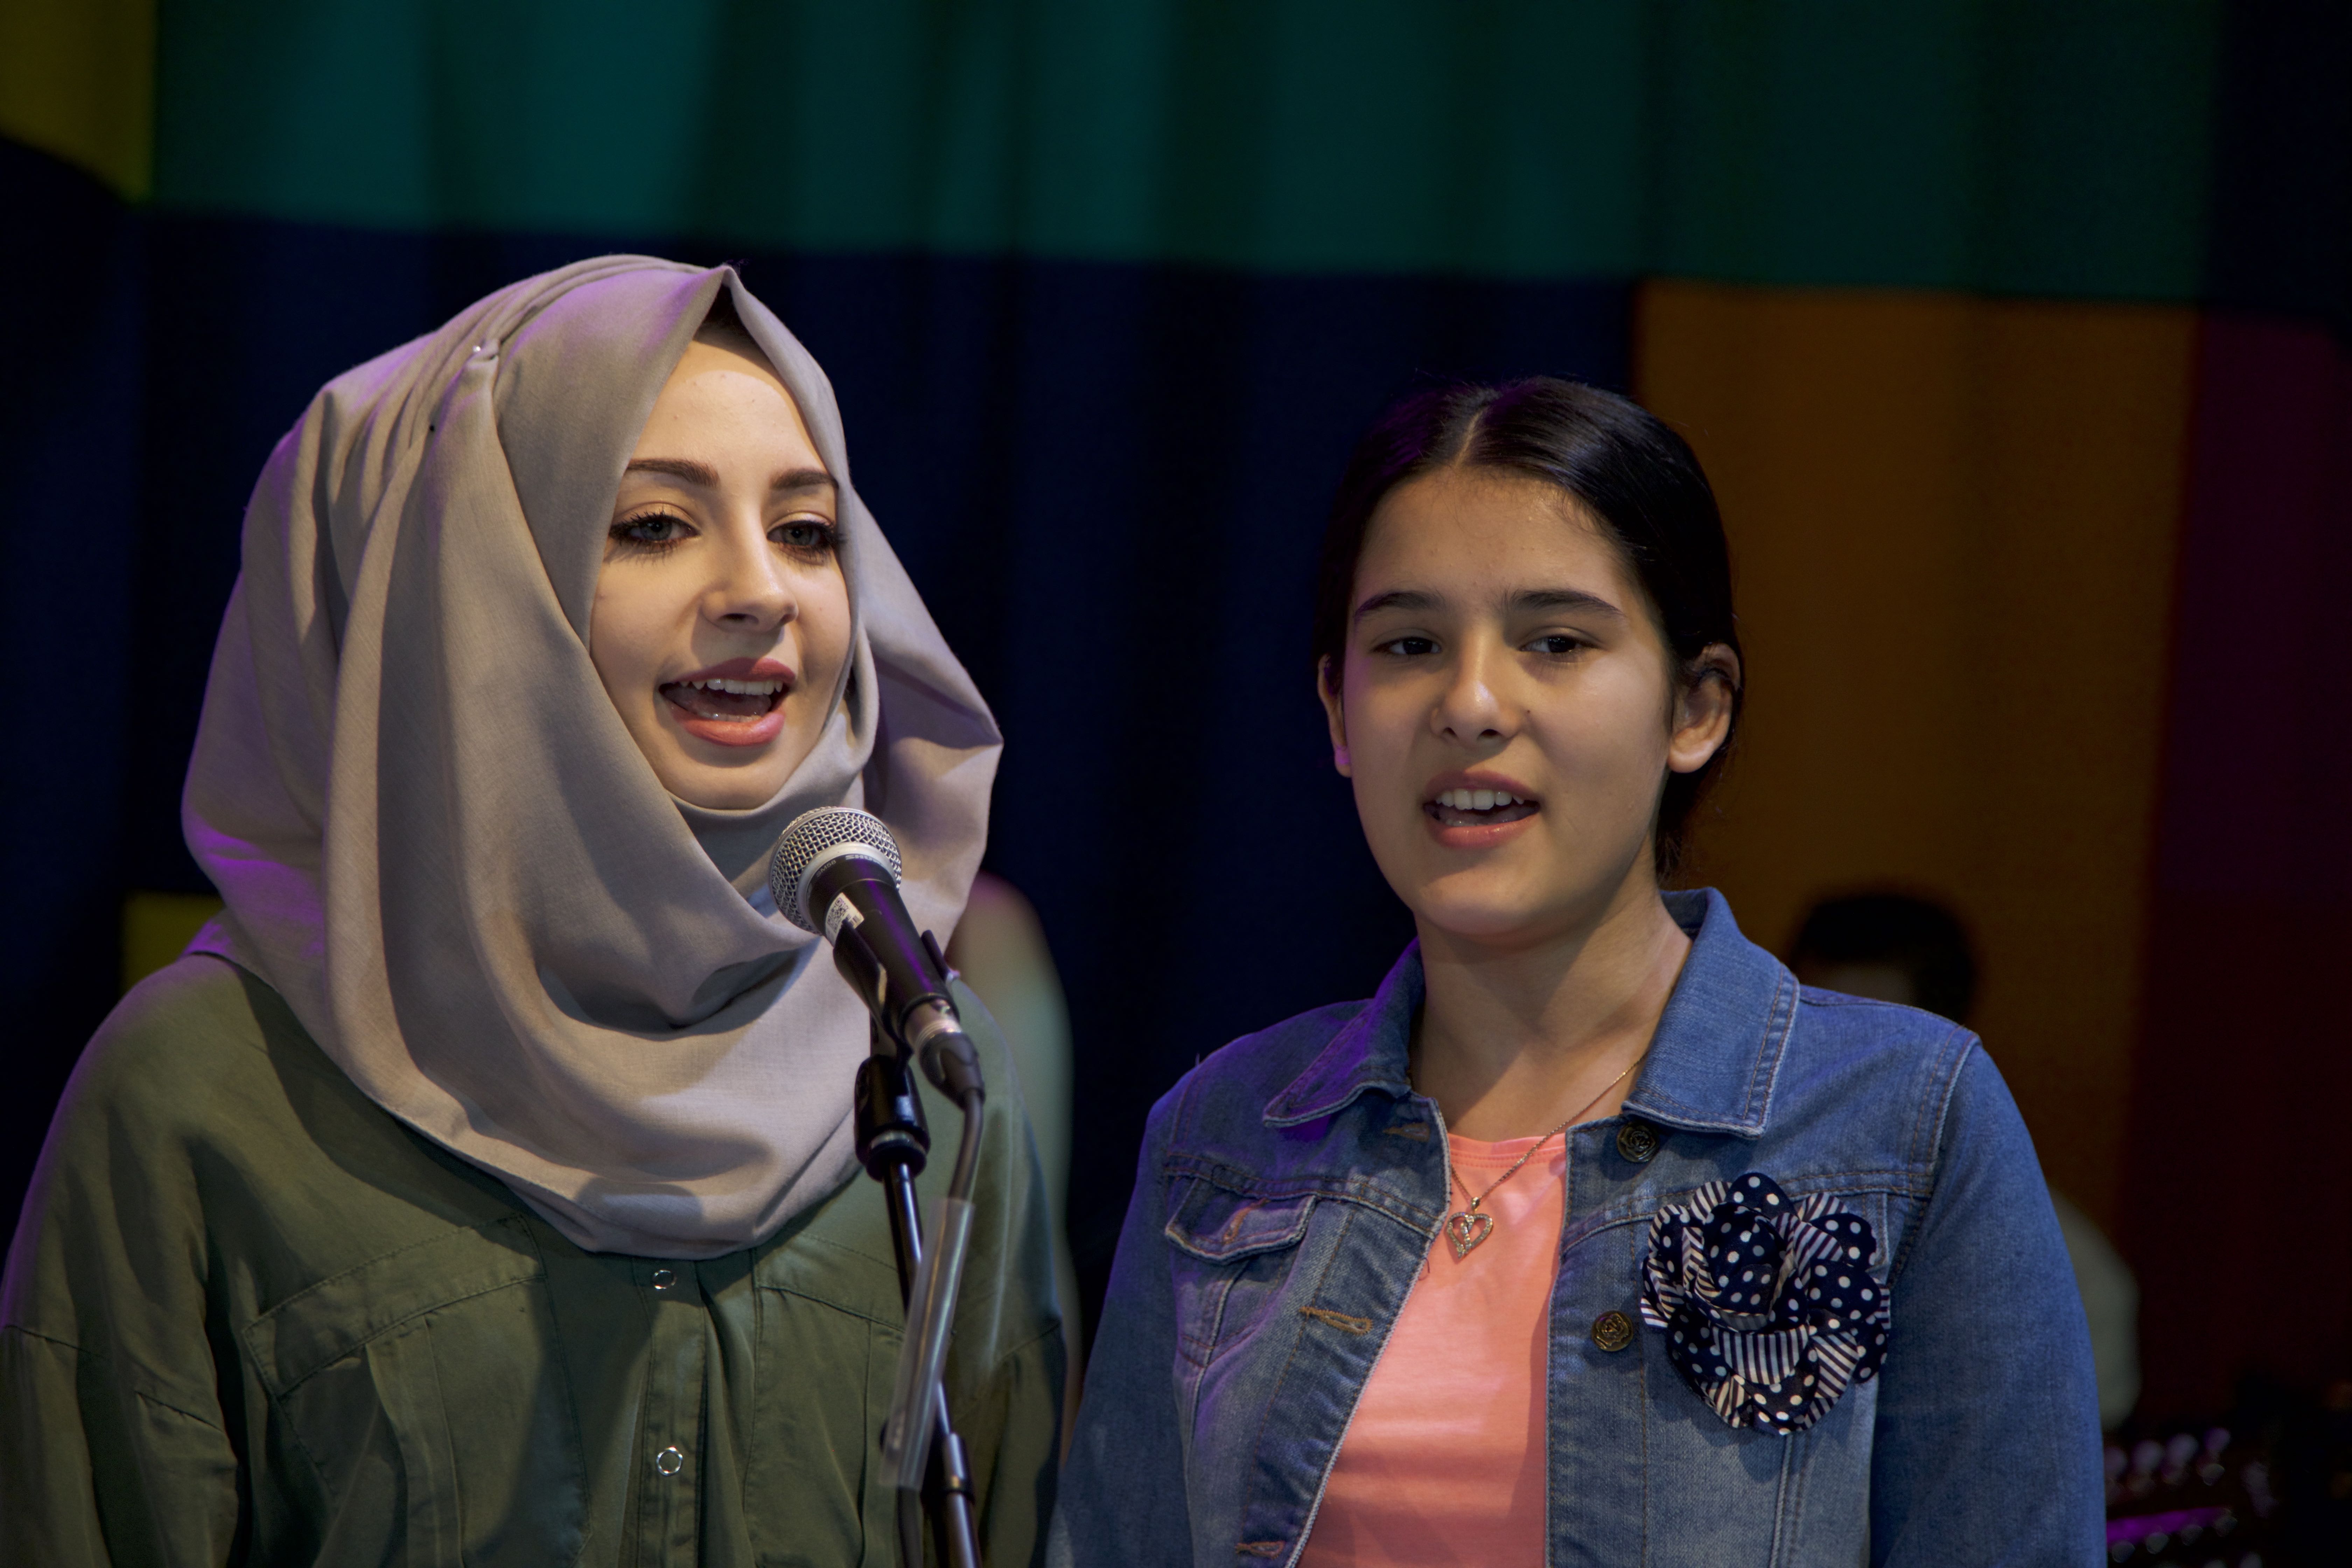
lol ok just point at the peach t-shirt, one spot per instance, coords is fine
(1446, 1459)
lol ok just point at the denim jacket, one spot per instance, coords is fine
(1291, 1185)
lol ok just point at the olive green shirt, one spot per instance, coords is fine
(251, 1318)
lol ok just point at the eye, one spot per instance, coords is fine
(1557, 643)
(806, 535)
(649, 530)
(1410, 645)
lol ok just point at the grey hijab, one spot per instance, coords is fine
(437, 841)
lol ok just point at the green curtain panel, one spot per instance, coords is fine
(2017, 148)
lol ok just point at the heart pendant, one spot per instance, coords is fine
(1466, 1230)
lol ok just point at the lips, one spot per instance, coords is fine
(738, 704)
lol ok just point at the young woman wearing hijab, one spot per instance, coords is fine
(479, 1187)
(1591, 1237)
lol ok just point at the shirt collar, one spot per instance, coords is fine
(1711, 1065)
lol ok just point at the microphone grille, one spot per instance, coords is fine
(819, 835)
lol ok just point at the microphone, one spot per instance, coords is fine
(836, 872)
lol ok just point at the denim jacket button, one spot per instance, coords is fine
(1613, 1331)
(1637, 1141)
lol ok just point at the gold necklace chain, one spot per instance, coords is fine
(1466, 1228)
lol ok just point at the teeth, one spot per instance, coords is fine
(1477, 799)
(741, 688)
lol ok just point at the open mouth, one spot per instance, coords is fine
(1477, 807)
(727, 701)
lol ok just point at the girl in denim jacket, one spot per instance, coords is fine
(1591, 1237)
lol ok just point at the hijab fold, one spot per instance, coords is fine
(437, 839)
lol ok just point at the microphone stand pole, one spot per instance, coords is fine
(894, 1143)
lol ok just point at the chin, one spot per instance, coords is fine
(1490, 915)
(721, 789)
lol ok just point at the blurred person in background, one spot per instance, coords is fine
(1897, 947)
(1586, 1239)
(1000, 949)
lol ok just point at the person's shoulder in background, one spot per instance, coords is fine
(1000, 949)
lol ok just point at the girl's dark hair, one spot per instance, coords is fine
(1634, 475)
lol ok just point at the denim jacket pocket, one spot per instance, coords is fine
(1234, 1252)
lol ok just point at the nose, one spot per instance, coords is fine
(748, 590)
(1469, 710)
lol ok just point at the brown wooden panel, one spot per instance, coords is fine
(1953, 524)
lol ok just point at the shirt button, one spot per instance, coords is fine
(664, 1278)
(669, 1461)
(1613, 1331)
(1638, 1141)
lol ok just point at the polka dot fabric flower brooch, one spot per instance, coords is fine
(1769, 1304)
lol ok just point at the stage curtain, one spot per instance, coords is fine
(2239, 1180)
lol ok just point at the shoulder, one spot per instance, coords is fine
(1232, 1085)
(115, 1211)
(1833, 1083)
(184, 1045)
(1881, 1080)
(1847, 1035)
(202, 1090)
(201, 1052)
(203, 1119)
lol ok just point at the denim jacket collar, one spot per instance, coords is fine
(1711, 1065)
(1372, 1050)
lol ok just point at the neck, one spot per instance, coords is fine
(1514, 1039)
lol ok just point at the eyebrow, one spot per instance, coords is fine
(1563, 599)
(1418, 601)
(788, 481)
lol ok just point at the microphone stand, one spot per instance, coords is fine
(894, 1143)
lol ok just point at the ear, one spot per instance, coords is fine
(1335, 716)
(1704, 708)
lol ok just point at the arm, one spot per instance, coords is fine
(1123, 1488)
(1988, 1436)
(111, 1442)
(92, 1473)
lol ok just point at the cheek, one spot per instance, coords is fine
(1381, 732)
(1610, 774)
(1625, 747)
(824, 623)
